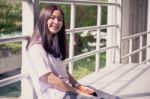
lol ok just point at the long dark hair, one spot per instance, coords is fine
(41, 32)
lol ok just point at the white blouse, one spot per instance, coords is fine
(43, 63)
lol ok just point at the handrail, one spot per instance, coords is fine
(78, 57)
(130, 38)
(89, 28)
(15, 78)
(136, 51)
(135, 35)
(20, 38)
(13, 39)
(85, 2)
(145, 61)
(12, 79)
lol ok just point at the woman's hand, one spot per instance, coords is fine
(86, 90)
(85, 94)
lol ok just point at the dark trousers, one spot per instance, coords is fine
(100, 95)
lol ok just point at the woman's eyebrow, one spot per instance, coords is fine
(57, 16)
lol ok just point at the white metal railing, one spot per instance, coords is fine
(135, 35)
(81, 56)
(75, 30)
(13, 39)
(71, 32)
(81, 2)
(139, 50)
(17, 77)
(75, 58)
(12, 79)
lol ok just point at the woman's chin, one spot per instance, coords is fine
(54, 31)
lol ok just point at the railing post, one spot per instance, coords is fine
(130, 50)
(148, 35)
(71, 44)
(140, 53)
(110, 35)
(97, 63)
(29, 14)
(118, 32)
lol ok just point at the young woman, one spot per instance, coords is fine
(47, 50)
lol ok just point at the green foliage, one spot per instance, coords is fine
(104, 15)
(82, 42)
(86, 16)
(66, 10)
(10, 16)
(86, 66)
(10, 48)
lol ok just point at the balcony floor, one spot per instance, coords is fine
(129, 81)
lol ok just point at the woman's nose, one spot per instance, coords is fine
(56, 20)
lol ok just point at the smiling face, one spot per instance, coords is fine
(55, 22)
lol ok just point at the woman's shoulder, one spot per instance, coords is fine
(36, 48)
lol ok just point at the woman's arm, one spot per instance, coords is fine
(59, 84)
(74, 82)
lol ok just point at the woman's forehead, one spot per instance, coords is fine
(57, 13)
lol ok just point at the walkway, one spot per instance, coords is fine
(130, 81)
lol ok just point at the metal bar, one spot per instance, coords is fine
(145, 61)
(12, 79)
(13, 39)
(136, 51)
(75, 30)
(130, 50)
(136, 35)
(81, 56)
(81, 2)
(140, 53)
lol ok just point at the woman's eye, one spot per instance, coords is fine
(52, 17)
(60, 19)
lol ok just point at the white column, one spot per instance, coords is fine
(71, 43)
(97, 62)
(118, 32)
(29, 12)
(148, 29)
(114, 34)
